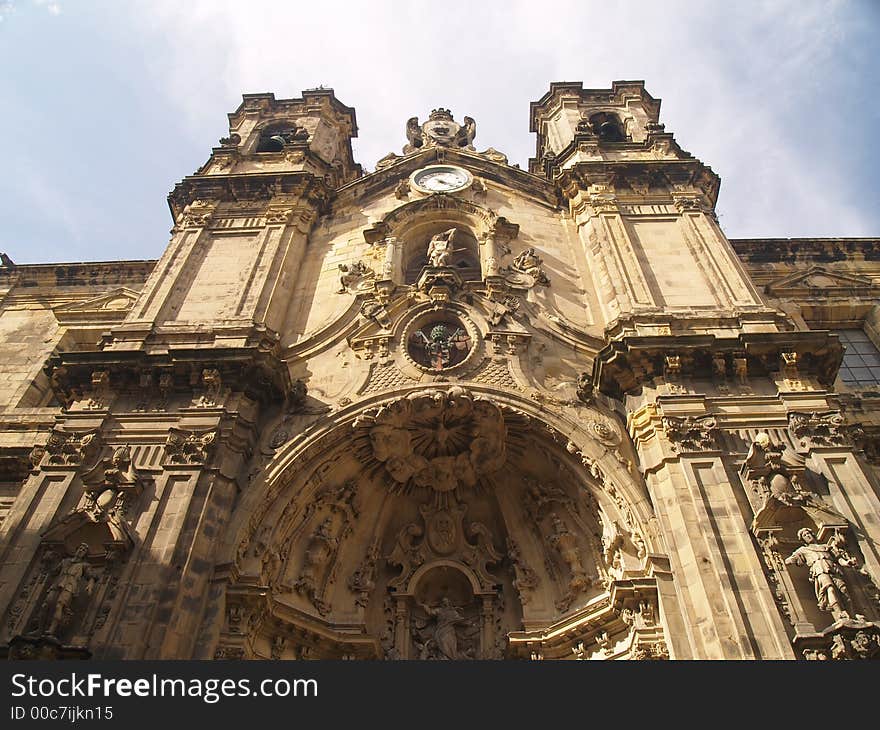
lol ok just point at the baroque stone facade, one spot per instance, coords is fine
(449, 409)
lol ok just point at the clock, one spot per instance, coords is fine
(441, 179)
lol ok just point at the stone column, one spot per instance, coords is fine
(724, 599)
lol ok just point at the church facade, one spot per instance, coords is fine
(449, 409)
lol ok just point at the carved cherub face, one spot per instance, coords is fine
(82, 550)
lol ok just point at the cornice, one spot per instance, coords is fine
(259, 374)
(381, 181)
(677, 176)
(250, 187)
(798, 250)
(628, 363)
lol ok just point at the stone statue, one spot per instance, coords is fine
(762, 453)
(372, 309)
(564, 541)
(440, 130)
(445, 640)
(440, 248)
(351, 274)
(528, 262)
(824, 562)
(320, 552)
(56, 610)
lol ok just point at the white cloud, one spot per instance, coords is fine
(728, 77)
(740, 84)
(53, 8)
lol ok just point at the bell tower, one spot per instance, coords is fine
(242, 221)
(665, 274)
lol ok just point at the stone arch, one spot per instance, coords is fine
(532, 507)
(285, 130)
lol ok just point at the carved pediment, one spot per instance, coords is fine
(112, 306)
(778, 516)
(80, 527)
(818, 281)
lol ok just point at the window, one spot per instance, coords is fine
(861, 359)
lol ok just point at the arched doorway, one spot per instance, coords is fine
(440, 523)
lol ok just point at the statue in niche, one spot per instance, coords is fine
(525, 579)
(319, 554)
(440, 248)
(539, 496)
(57, 608)
(824, 563)
(437, 635)
(566, 543)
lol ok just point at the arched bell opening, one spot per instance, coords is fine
(440, 508)
(277, 136)
(607, 127)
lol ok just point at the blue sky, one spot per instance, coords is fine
(108, 104)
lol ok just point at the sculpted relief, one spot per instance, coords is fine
(439, 526)
(818, 576)
(436, 440)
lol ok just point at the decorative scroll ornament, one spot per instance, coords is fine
(438, 440)
(444, 535)
(691, 433)
(68, 449)
(852, 640)
(187, 447)
(817, 429)
(525, 579)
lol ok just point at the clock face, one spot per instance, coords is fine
(441, 179)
